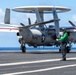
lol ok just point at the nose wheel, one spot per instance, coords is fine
(23, 48)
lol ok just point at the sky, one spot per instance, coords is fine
(10, 39)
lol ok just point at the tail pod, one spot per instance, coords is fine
(7, 16)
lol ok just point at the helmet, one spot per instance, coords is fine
(63, 29)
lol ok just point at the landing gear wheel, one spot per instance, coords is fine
(23, 48)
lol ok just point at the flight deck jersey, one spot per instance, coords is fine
(64, 37)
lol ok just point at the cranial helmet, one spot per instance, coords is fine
(63, 29)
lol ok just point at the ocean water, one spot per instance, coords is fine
(29, 48)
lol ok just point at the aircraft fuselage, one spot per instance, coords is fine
(47, 37)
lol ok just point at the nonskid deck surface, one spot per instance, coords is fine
(36, 63)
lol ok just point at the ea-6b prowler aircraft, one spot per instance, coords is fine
(40, 35)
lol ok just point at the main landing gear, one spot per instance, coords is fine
(23, 48)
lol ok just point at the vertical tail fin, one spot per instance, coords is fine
(7, 16)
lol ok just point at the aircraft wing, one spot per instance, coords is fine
(27, 26)
(9, 25)
(8, 28)
(38, 24)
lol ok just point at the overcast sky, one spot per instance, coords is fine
(10, 39)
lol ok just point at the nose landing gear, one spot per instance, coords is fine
(23, 48)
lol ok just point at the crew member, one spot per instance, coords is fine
(63, 40)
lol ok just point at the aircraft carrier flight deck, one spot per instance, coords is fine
(37, 63)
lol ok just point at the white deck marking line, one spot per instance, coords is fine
(41, 70)
(31, 62)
